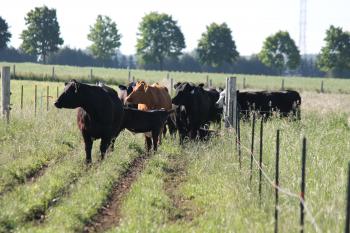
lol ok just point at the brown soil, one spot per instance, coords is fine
(110, 214)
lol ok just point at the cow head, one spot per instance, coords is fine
(70, 98)
(221, 101)
(183, 93)
(138, 94)
(124, 91)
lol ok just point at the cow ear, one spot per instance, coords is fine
(122, 87)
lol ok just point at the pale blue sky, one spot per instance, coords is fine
(251, 21)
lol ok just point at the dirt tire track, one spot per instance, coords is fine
(176, 174)
(32, 176)
(109, 215)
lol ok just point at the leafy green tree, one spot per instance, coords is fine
(159, 38)
(105, 38)
(42, 35)
(280, 52)
(216, 46)
(335, 55)
(5, 35)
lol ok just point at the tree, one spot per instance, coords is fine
(216, 46)
(105, 37)
(335, 55)
(280, 52)
(4, 33)
(159, 38)
(42, 35)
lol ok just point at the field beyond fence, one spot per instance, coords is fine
(32, 71)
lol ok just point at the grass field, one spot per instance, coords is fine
(46, 187)
(120, 76)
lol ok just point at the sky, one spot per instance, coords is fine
(251, 21)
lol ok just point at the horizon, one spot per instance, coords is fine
(271, 15)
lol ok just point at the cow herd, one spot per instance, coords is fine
(149, 109)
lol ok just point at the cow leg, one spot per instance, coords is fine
(88, 147)
(105, 142)
(148, 142)
(155, 136)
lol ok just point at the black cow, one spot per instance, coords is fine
(138, 121)
(100, 113)
(265, 102)
(199, 108)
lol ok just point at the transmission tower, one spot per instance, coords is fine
(302, 27)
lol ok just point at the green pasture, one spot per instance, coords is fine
(45, 185)
(120, 76)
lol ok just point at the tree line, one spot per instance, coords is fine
(160, 45)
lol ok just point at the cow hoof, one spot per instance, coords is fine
(88, 161)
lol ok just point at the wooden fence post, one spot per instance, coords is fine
(322, 87)
(6, 92)
(53, 72)
(261, 154)
(252, 149)
(91, 75)
(129, 76)
(210, 83)
(239, 140)
(282, 85)
(302, 185)
(244, 83)
(230, 108)
(277, 179)
(207, 80)
(347, 219)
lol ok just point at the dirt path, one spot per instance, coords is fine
(110, 214)
(183, 208)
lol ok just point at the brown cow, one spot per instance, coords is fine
(150, 97)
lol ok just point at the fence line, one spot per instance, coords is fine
(282, 190)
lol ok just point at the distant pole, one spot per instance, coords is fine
(21, 97)
(35, 98)
(322, 87)
(14, 70)
(244, 83)
(53, 72)
(210, 83)
(277, 179)
(171, 86)
(6, 92)
(282, 85)
(302, 193)
(91, 75)
(129, 75)
(47, 98)
(207, 80)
